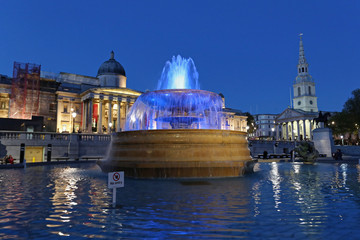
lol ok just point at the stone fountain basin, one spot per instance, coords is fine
(179, 153)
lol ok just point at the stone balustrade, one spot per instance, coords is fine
(74, 145)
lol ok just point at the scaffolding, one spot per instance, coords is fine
(25, 91)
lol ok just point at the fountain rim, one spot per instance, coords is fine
(181, 90)
(180, 130)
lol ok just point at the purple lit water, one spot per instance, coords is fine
(278, 201)
(175, 109)
(178, 102)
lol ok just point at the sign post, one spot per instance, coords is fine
(115, 180)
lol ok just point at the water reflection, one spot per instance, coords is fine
(276, 180)
(280, 200)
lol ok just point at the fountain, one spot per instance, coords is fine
(176, 131)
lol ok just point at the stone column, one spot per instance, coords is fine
(304, 129)
(109, 115)
(118, 114)
(127, 107)
(90, 117)
(292, 131)
(287, 130)
(311, 132)
(99, 127)
(85, 112)
(58, 115)
(277, 131)
(298, 130)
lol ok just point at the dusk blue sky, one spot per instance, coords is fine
(247, 50)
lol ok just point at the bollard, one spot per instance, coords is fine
(22, 152)
(49, 148)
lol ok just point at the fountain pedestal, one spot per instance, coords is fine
(179, 153)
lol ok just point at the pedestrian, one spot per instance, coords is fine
(338, 155)
(265, 154)
(10, 160)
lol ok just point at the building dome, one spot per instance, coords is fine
(111, 67)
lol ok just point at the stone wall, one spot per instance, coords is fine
(258, 147)
(349, 150)
(73, 146)
(272, 147)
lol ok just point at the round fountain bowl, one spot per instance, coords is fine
(179, 153)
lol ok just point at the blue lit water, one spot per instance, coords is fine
(278, 201)
(179, 73)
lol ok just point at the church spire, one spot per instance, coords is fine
(304, 87)
(302, 59)
(303, 66)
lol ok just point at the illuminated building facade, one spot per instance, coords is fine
(70, 102)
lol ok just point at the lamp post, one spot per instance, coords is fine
(73, 114)
(342, 139)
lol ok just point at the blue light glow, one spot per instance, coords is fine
(180, 73)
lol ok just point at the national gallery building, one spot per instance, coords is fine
(34, 100)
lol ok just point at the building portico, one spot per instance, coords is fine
(295, 124)
(105, 109)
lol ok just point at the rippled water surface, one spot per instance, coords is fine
(278, 201)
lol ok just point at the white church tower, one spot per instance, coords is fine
(304, 86)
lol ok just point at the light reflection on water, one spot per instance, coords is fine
(280, 200)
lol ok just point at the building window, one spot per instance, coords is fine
(299, 91)
(65, 108)
(309, 90)
(2, 105)
(311, 102)
(303, 70)
(52, 107)
(299, 103)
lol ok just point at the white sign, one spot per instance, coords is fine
(115, 179)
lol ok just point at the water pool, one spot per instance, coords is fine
(278, 201)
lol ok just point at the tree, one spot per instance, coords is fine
(250, 123)
(348, 120)
(352, 107)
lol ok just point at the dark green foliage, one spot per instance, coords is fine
(348, 120)
(250, 123)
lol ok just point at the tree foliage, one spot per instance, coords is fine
(348, 120)
(250, 122)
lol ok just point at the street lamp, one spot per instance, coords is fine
(73, 114)
(342, 139)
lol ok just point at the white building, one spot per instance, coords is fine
(265, 126)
